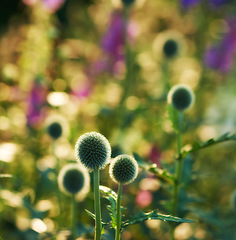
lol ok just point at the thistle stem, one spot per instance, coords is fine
(178, 173)
(97, 205)
(74, 211)
(118, 212)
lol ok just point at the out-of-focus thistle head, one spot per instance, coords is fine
(93, 150)
(123, 169)
(73, 179)
(54, 130)
(181, 97)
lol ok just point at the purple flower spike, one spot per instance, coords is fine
(113, 40)
(53, 5)
(187, 4)
(217, 3)
(221, 57)
(36, 102)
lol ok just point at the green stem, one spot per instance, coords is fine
(74, 213)
(58, 193)
(118, 212)
(97, 205)
(178, 174)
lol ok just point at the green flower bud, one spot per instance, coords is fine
(54, 130)
(127, 2)
(170, 48)
(73, 179)
(93, 150)
(123, 169)
(181, 97)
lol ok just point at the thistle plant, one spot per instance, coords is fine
(123, 170)
(93, 150)
(181, 98)
(74, 180)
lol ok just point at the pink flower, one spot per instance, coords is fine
(53, 5)
(144, 198)
(155, 155)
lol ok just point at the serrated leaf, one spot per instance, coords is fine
(141, 217)
(150, 167)
(111, 196)
(198, 146)
(92, 215)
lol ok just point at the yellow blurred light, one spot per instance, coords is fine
(57, 98)
(5, 92)
(183, 231)
(132, 102)
(38, 225)
(13, 199)
(10, 71)
(8, 151)
(190, 77)
(206, 132)
(59, 85)
(4, 123)
(149, 184)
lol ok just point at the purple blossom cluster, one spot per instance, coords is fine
(187, 4)
(221, 57)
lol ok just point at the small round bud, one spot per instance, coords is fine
(181, 97)
(73, 179)
(93, 150)
(123, 169)
(54, 130)
(127, 2)
(170, 48)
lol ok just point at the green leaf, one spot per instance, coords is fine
(150, 167)
(198, 146)
(92, 215)
(111, 196)
(141, 217)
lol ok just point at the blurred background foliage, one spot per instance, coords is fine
(106, 66)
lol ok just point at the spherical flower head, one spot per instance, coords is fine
(127, 2)
(73, 179)
(181, 97)
(123, 169)
(170, 48)
(93, 150)
(54, 130)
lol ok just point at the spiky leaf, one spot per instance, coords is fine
(141, 217)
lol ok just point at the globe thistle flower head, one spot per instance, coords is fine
(123, 169)
(170, 48)
(93, 150)
(127, 2)
(181, 97)
(73, 179)
(54, 130)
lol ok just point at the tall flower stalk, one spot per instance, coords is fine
(181, 98)
(94, 151)
(123, 170)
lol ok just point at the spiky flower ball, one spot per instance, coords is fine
(170, 48)
(181, 97)
(93, 150)
(73, 179)
(128, 2)
(123, 169)
(54, 129)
